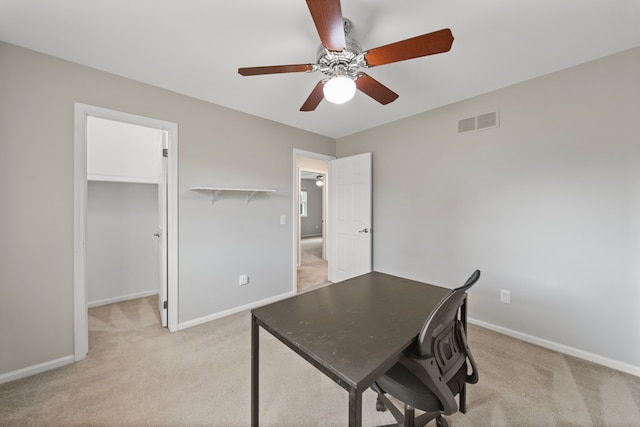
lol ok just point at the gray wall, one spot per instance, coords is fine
(311, 225)
(217, 147)
(122, 252)
(547, 205)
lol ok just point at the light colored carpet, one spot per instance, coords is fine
(313, 270)
(138, 374)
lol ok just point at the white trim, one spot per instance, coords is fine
(127, 179)
(172, 228)
(215, 316)
(36, 369)
(561, 348)
(81, 112)
(106, 301)
(80, 316)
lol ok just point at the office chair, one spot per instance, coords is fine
(434, 370)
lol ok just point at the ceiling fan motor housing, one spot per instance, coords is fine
(345, 63)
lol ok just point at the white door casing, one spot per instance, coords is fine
(350, 217)
(162, 235)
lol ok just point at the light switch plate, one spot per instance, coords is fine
(505, 296)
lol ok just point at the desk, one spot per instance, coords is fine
(352, 331)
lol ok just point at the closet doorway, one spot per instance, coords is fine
(125, 214)
(124, 208)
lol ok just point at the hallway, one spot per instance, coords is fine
(313, 270)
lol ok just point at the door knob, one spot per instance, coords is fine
(156, 234)
(366, 230)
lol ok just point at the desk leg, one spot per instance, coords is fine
(255, 353)
(355, 409)
(463, 392)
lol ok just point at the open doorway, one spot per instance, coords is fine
(124, 171)
(311, 220)
(111, 184)
(313, 269)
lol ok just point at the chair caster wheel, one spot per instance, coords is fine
(380, 406)
(441, 422)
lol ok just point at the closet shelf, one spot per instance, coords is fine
(216, 191)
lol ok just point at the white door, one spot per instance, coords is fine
(162, 234)
(349, 217)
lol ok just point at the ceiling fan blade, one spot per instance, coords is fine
(275, 69)
(327, 15)
(426, 44)
(314, 99)
(375, 89)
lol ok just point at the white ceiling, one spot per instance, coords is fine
(195, 47)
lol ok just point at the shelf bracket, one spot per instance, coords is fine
(250, 195)
(214, 195)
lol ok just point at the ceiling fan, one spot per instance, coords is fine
(341, 59)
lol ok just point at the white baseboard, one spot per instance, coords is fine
(205, 319)
(561, 348)
(121, 298)
(36, 369)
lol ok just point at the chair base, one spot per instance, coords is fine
(408, 419)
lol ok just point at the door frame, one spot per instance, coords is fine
(163, 201)
(80, 316)
(296, 206)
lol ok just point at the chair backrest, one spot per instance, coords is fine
(440, 336)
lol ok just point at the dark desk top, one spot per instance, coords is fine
(355, 330)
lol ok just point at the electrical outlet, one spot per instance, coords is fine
(243, 280)
(505, 296)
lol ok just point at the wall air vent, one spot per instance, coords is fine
(467, 125)
(482, 121)
(489, 120)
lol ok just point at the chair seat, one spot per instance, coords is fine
(406, 387)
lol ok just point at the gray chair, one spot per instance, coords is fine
(434, 370)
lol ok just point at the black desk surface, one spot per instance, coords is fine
(355, 330)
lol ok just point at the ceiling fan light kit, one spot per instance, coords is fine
(339, 89)
(341, 58)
